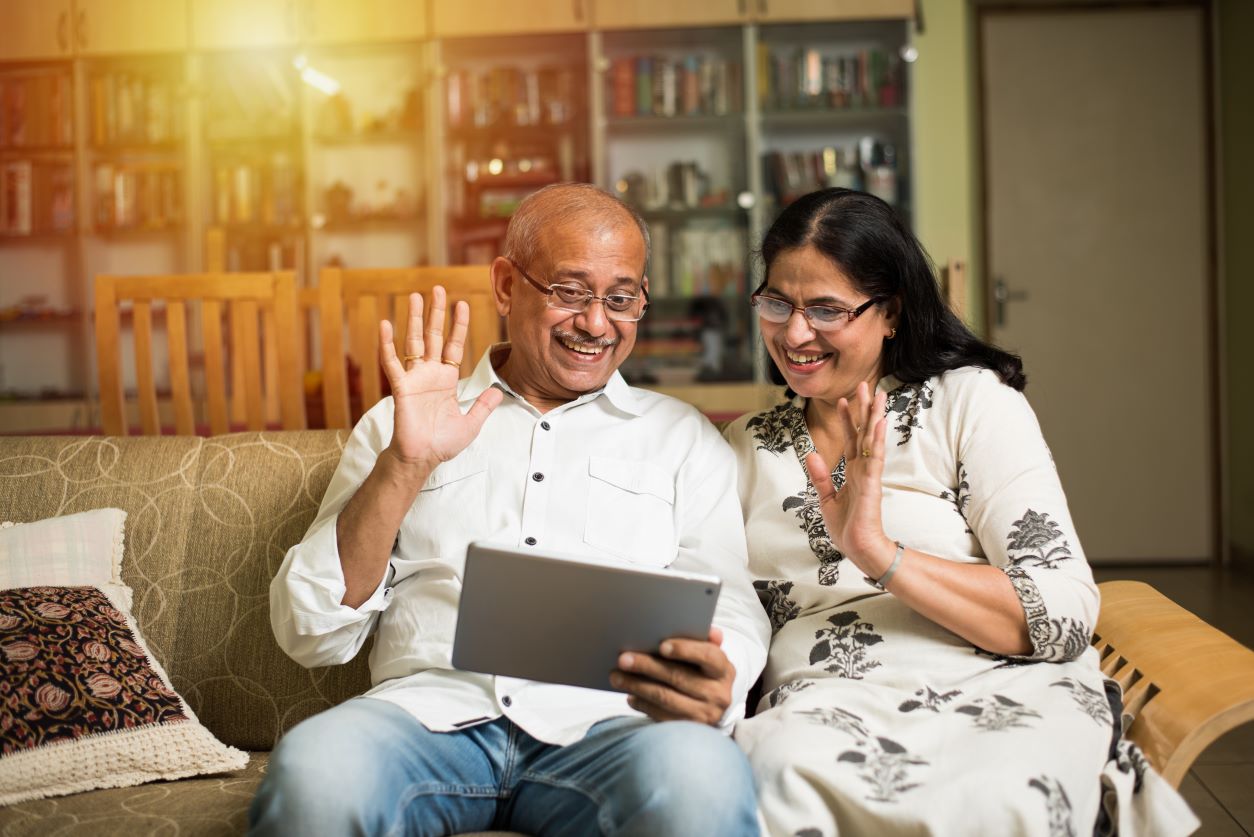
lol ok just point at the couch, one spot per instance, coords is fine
(210, 519)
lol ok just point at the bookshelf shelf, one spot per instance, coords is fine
(380, 138)
(687, 213)
(700, 122)
(832, 118)
(372, 224)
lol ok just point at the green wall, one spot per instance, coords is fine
(945, 150)
(947, 184)
(1236, 135)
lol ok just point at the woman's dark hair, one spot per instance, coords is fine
(865, 238)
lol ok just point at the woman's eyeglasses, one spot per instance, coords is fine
(820, 317)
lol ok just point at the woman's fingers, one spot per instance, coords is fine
(820, 477)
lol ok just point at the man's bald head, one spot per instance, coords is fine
(580, 205)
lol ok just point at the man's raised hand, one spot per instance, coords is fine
(428, 424)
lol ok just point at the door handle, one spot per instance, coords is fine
(1001, 295)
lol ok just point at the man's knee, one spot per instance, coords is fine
(690, 773)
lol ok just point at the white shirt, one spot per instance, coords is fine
(620, 475)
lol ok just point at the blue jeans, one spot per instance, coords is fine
(369, 767)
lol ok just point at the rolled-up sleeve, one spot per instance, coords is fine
(1019, 513)
(309, 622)
(712, 541)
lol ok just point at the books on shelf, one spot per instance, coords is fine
(509, 96)
(699, 262)
(247, 191)
(36, 197)
(136, 196)
(36, 109)
(663, 85)
(133, 108)
(809, 77)
(869, 164)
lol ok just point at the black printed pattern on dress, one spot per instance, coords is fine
(1057, 805)
(843, 647)
(998, 713)
(908, 401)
(1130, 759)
(1091, 702)
(770, 428)
(779, 694)
(882, 763)
(930, 699)
(1053, 640)
(1028, 543)
(779, 608)
(806, 507)
(960, 496)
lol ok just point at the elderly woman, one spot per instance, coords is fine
(930, 670)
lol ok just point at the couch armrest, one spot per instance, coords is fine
(1185, 683)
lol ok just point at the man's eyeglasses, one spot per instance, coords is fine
(820, 317)
(624, 308)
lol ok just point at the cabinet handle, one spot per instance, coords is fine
(578, 10)
(740, 7)
(80, 29)
(63, 31)
(762, 9)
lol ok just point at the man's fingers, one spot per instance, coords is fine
(483, 407)
(391, 364)
(434, 335)
(413, 330)
(455, 347)
(667, 700)
(654, 711)
(706, 656)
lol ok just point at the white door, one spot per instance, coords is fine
(1098, 233)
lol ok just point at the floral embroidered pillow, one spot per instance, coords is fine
(83, 704)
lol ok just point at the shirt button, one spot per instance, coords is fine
(538, 477)
(507, 701)
(530, 541)
(544, 425)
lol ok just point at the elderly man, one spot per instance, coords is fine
(545, 446)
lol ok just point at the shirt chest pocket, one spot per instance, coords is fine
(450, 512)
(631, 510)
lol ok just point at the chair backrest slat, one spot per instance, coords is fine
(180, 367)
(215, 366)
(109, 358)
(146, 384)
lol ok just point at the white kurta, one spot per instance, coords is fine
(875, 720)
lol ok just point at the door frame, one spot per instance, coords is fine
(1220, 546)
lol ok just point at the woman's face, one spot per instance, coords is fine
(821, 364)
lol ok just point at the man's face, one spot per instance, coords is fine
(558, 355)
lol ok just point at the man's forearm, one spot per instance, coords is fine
(368, 524)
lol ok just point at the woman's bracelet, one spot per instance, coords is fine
(880, 582)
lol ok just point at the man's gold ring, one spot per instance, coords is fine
(857, 428)
(408, 358)
(866, 452)
(450, 362)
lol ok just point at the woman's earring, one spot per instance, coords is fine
(892, 334)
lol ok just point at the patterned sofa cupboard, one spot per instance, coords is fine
(210, 519)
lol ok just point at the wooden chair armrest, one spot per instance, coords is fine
(1185, 682)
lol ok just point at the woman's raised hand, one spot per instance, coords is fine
(852, 515)
(428, 425)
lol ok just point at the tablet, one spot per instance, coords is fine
(560, 618)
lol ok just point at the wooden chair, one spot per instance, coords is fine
(262, 335)
(1185, 683)
(361, 297)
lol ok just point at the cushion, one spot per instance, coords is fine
(83, 704)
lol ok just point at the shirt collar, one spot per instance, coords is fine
(616, 390)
